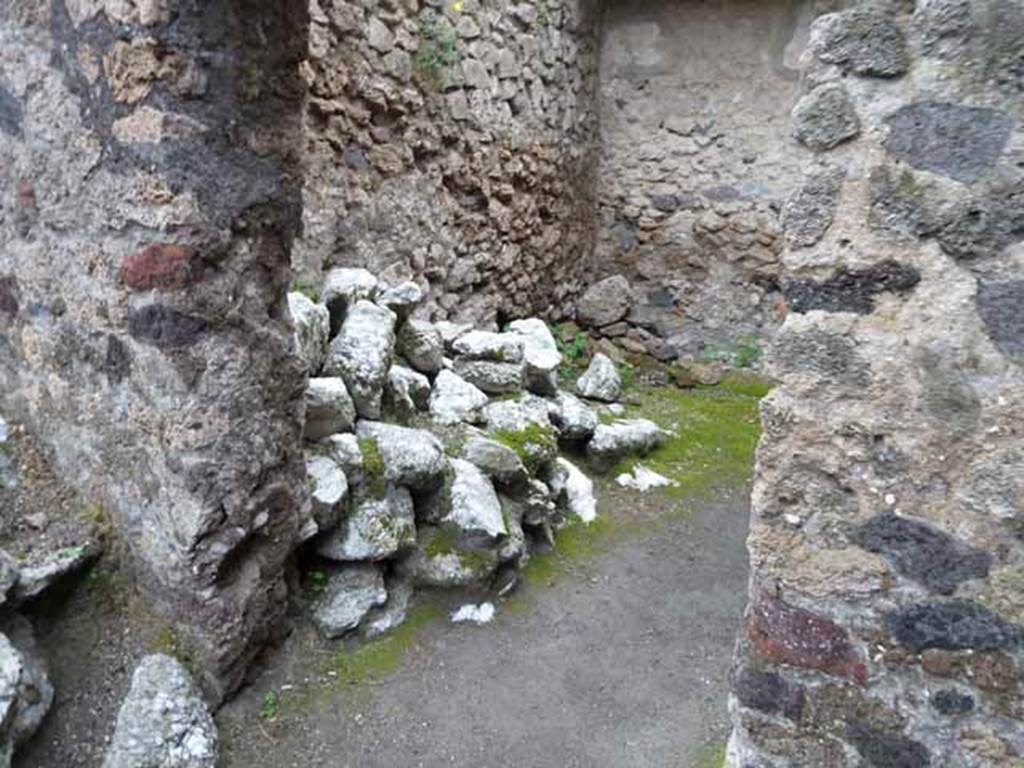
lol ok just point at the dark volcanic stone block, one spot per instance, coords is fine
(944, 23)
(9, 295)
(1001, 306)
(923, 553)
(957, 141)
(11, 114)
(958, 625)
(851, 290)
(786, 634)
(900, 204)
(952, 702)
(862, 41)
(118, 363)
(825, 118)
(163, 326)
(983, 225)
(769, 692)
(887, 750)
(809, 212)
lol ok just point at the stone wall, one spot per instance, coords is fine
(147, 154)
(697, 161)
(454, 143)
(886, 618)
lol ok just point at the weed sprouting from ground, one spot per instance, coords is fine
(574, 352)
(270, 706)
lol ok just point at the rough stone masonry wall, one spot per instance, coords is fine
(886, 617)
(696, 162)
(148, 204)
(453, 142)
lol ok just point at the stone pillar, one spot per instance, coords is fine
(148, 156)
(886, 617)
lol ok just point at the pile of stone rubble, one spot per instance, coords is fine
(433, 450)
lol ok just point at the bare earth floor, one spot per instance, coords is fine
(622, 660)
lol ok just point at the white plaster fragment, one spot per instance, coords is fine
(579, 490)
(476, 614)
(643, 479)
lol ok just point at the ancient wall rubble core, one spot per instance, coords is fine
(455, 143)
(885, 535)
(148, 214)
(680, 179)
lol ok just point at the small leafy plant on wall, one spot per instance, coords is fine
(437, 53)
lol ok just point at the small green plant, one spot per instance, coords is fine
(270, 706)
(71, 553)
(437, 52)
(316, 582)
(575, 349)
(573, 352)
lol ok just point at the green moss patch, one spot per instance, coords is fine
(711, 756)
(374, 478)
(530, 443)
(576, 545)
(307, 288)
(714, 433)
(167, 641)
(442, 541)
(373, 660)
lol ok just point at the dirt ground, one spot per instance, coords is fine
(622, 661)
(614, 651)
